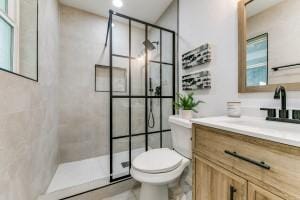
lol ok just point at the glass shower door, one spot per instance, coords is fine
(139, 116)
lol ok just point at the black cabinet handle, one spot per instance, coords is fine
(257, 163)
(232, 191)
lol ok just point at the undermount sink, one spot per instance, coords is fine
(257, 127)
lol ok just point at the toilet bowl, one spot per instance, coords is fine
(157, 168)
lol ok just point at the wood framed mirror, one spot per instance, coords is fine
(269, 45)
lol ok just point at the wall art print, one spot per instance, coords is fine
(198, 56)
(196, 81)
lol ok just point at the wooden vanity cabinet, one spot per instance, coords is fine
(231, 166)
(257, 193)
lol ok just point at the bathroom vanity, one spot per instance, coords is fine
(245, 158)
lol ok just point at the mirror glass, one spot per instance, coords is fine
(18, 37)
(273, 42)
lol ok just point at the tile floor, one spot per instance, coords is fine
(175, 193)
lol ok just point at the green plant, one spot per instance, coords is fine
(187, 102)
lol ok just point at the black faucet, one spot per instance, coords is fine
(280, 93)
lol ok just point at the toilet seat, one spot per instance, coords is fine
(160, 178)
(157, 161)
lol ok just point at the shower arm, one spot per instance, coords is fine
(109, 25)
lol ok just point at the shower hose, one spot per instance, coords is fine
(151, 120)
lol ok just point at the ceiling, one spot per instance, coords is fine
(146, 10)
(258, 6)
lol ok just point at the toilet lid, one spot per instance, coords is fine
(157, 161)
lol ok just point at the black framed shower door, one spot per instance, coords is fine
(150, 95)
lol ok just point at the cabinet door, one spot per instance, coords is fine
(212, 182)
(257, 193)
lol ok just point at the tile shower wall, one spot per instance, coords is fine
(28, 118)
(84, 114)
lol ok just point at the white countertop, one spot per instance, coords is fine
(280, 132)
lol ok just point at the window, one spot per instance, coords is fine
(257, 60)
(8, 35)
(6, 57)
(3, 5)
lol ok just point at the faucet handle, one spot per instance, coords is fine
(296, 114)
(271, 111)
(284, 114)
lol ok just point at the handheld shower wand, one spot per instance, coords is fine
(151, 120)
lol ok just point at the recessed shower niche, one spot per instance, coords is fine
(102, 79)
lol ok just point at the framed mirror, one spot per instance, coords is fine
(269, 45)
(19, 37)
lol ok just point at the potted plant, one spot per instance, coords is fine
(186, 105)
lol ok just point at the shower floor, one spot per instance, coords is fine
(96, 169)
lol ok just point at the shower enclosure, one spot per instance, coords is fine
(139, 115)
(114, 100)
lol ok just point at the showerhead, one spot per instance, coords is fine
(149, 45)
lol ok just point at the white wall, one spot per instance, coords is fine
(169, 17)
(215, 22)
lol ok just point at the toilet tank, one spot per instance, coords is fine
(181, 131)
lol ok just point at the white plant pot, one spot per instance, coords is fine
(186, 114)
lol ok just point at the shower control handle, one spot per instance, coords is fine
(150, 85)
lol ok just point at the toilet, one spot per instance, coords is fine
(157, 168)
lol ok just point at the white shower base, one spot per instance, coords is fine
(87, 174)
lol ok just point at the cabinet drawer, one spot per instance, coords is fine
(273, 166)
